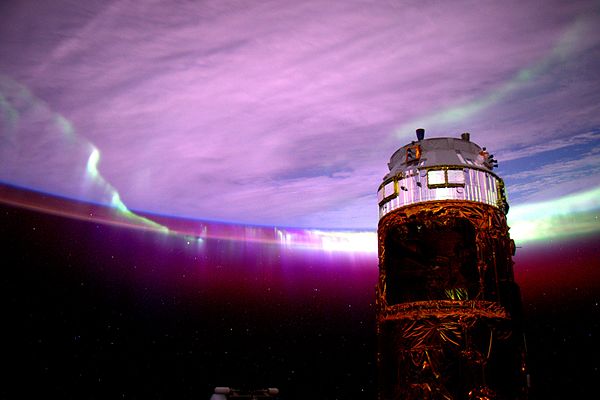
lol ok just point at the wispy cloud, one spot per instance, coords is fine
(557, 177)
(565, 47)
(587, 138)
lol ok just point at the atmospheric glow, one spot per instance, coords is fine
(568, 216)
(288, 238)
(334, 241)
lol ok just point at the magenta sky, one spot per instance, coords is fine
(285, 113)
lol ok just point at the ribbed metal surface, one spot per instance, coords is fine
(424, 185)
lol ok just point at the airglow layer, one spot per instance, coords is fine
(575, 215)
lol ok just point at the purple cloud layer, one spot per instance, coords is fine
(284, 113)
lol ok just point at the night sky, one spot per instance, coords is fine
(188, 189)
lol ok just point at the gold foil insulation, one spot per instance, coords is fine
(448, 310)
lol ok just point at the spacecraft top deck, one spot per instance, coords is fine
(439, 169)
(441, 151)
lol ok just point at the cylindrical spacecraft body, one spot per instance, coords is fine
(448, 309)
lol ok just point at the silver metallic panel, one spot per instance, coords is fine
(479, 186)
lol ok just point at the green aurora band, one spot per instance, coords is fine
(12, 93)
(570, 216)
(115, 201)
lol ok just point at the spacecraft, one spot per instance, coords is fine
(225, 393)
(449, 323)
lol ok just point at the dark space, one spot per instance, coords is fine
(98, 311)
